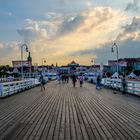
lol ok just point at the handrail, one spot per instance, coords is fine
(132, 87)
(9, 88)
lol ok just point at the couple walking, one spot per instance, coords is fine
(63, 78)
(74, 80)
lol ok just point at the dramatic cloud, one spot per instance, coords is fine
(66, 30)
(104, 54)
(127, 41)
(9, 51)
(32, 32)
(59, 35)
(134, 26)
(71, 24)
(88, 20)
(133, 6)
(130, 31)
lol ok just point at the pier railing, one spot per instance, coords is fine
(132, 87)
(9, 88)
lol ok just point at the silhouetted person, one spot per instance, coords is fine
(98, 82)
(59, 78)
(123, 85)
(74, 80)
(42, 82)
(63, 77)
(81, 79)
(67, 78)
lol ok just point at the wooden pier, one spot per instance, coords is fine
(66, 113)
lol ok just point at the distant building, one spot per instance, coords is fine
(64, 69)
(17, 63)
(123, 63)
(106, 68)
(134, 63)
(137, 65)
(27, 64)
(73, 64)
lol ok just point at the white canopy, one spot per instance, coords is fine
(15, 70)
(9, 72)
(131, 75)
(115, 75)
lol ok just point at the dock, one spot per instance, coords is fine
(62, 112)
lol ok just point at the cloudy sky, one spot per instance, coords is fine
(65, 30)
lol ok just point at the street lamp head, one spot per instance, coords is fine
(26, 49)
(114, 44)
(112, 50)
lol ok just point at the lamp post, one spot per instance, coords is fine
(43, 61)
(93, 61)
(23, 45)
(117, 52)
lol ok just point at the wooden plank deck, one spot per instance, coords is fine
(66, 113)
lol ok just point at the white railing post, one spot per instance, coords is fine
(9, 88)
(1, 90)
(15, 88)
(133, 88)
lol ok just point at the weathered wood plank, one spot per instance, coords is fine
(63, 112)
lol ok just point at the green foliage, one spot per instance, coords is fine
(129, 68)
(137, 72)
(3, 69)
(108, 74)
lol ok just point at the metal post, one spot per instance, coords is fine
(22, 62)
(22, 58)
(43, 60)
(117, 52)
(94, 65)
(93, 60)
(117, 60)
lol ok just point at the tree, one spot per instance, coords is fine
(129, 68)
(137, 72)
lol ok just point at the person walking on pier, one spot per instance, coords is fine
(81, 79)
(67, 78)
(63, 78)
(123, 84)
(42, 83)
(74, 80)
(59, 78)
(98, 82)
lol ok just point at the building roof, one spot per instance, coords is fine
(73, 62)
(131, 60)
(128, 60)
